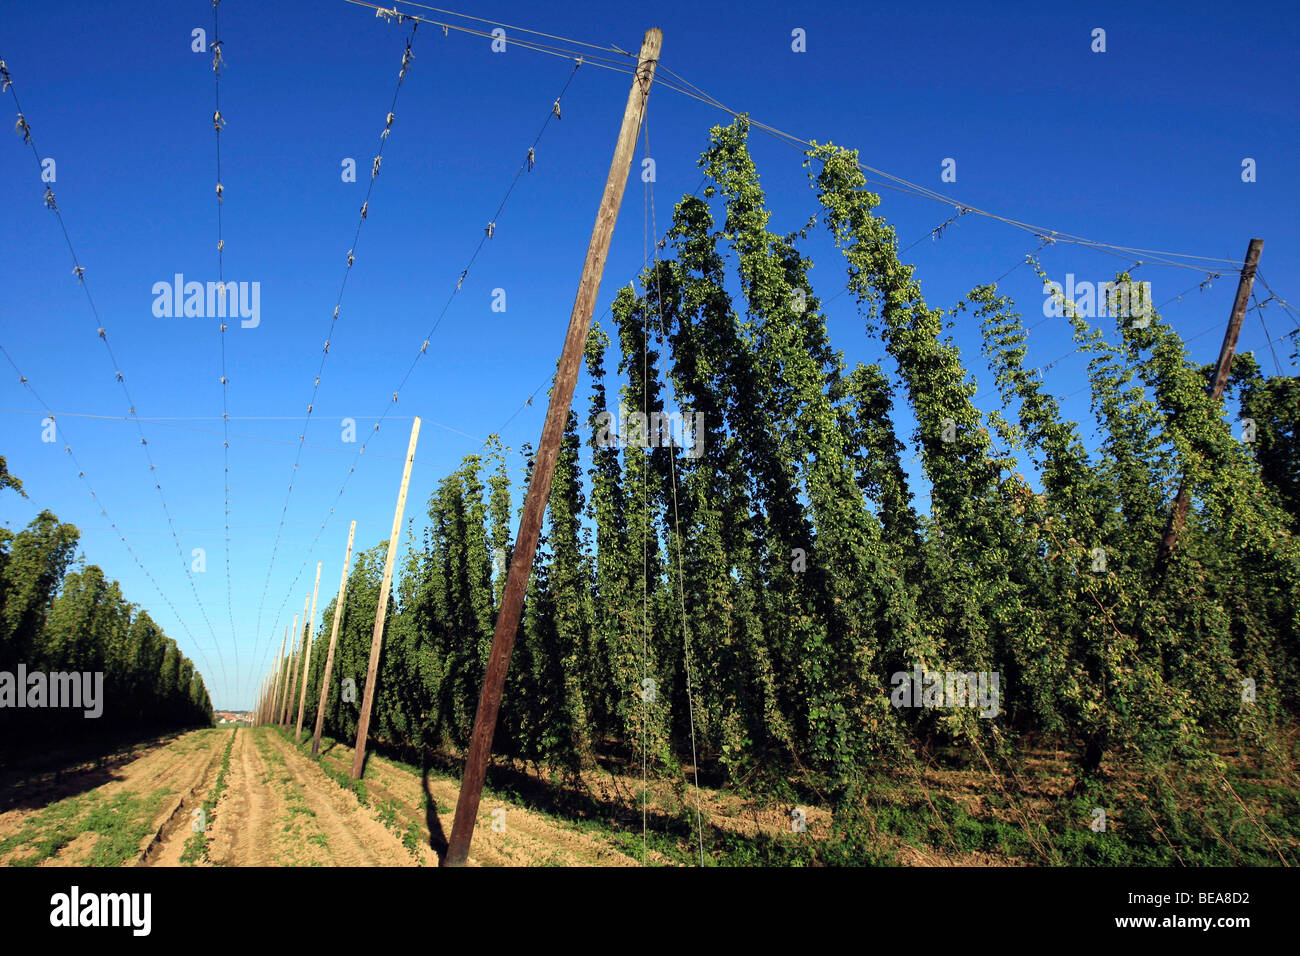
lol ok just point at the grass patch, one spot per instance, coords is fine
(120, 822)
(196, 847)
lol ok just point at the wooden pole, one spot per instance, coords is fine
(381, 612)
(539, 488)
(334, 637)
(311, 623)
(1182, 503)
(284, 677)
(271, 675)
(273, 705)
(282, 712)
(297, 663)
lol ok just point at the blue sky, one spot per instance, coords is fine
(1139, 146)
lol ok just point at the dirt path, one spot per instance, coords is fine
(246, 811)
(279, 809)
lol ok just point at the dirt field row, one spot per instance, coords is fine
(277, 808)
(129, 810)
(158, 805)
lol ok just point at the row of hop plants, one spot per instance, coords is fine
(748, 604)
(61, 615)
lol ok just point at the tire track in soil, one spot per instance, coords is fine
(169, 844)
(355, 837)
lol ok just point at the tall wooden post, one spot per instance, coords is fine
(282, 712)
(334, 637)
(297, 663)
(1182, 503)
(539, 488)
(282, 702)
(306, 667)
(381, 612)
(273, 705)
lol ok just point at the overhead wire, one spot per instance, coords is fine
(1259, 309)
(507, 26)
(171, 423)
(604, 62)
(103, 509)
(694, 92)
(24, 129)
(218, 121)
(681, 85)
(527, 163)
(407, 58)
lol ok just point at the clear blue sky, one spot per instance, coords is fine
(1139, 146)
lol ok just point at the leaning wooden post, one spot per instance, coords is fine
(1182, 503)
(381, 612)
(282, 711)
(273, 704)
(334, 637)
(311, 623)
(539, 488)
